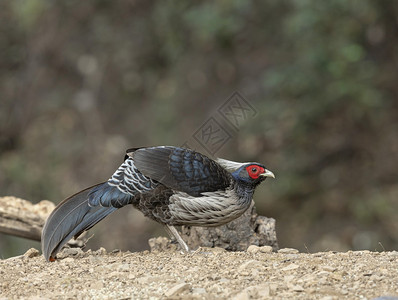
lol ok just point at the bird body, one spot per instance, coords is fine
(171, 185)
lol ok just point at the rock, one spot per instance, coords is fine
(266, 249)
(288, 251)
(262, 291)
(297, 288)
(290, 267)
(177, 289)
(70, 252)
(241, 296)
(97, 285)
(217, 250)
(198, 291)
(323, 273)
(123, 267)
(100, 251)
(250, 264)
(162, 244)
(288, 278)
(67, 260)
(114, 274)
(32, 252)
(238, 235)
(208, 250)
(253, 249)
(327, 298)
(328, 268)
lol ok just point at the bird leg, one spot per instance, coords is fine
(174, 233)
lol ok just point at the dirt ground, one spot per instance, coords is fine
(210, 273)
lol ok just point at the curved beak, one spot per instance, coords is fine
(267, 173)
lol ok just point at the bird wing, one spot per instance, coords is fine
(181, 169)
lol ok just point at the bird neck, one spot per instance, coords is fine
(244, 190)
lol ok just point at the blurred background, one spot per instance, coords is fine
(80, 82)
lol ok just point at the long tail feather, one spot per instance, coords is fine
(70, 218)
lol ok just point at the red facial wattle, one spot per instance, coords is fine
(254, 171)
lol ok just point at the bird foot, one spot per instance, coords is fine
(174, 233)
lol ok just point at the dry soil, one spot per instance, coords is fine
(207, 274)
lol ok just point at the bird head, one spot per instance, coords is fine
(252, 173)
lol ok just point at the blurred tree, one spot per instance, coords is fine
(82, 81)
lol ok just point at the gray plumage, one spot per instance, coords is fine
(171, 185)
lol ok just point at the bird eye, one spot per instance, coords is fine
(254, 171)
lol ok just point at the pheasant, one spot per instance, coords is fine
(171, 185)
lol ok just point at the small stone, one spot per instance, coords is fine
(331, 255)
(123, 267)
(97, 285)
(327, 298)
(253, 249)
(198, 291)
(336, 276)
(177, 289)
(114, 274)
(328, 268)
(217, 250)
(288, 278)
(375, 277)
(273, 287)
(266, 249)
(250, 264)
(204, 250)
(143, 280)
(308, 277)
(32, 252)
(244, 273)
(70, 252)
(288, 251)
(68, 260)
(290, 267)
(160, 244)
(297, 288)
(100, 251)
(241, 296)
(323, 273)
(263, 291)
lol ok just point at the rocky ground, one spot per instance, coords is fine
(210, 273)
